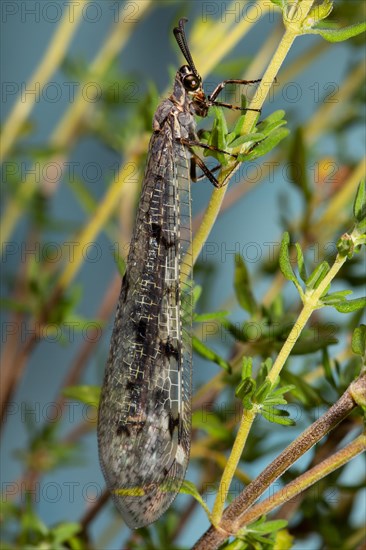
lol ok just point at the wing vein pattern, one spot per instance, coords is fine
(144, 415)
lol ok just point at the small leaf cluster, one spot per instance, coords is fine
(262, 535)
(314, 22)
(89, 395)
(348, 245)
(261, 394)
(33, 533)
(269, 326)
(266, 329)
(311, 282)
(265, 136)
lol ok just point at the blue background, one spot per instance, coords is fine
(147, 56)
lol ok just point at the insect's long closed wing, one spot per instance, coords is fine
(144, 415)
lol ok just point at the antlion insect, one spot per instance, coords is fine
(144, 419)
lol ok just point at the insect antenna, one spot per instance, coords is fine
(181, 39)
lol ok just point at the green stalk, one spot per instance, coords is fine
(311, 303)
(232, 464)
(47, 67)
(68, 127)
(269, 76)
(235, 515)
(292, 31)
(304, 481)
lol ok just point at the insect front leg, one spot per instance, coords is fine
(195, 143)
(221, 86)
(207, 172)
(198, 161)
(193, 172)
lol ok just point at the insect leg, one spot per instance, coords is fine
(195, 143)
(195, 163)
(196, 160)
(207, 172)
(222, 85)
(233, 107)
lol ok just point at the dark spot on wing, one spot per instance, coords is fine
(131, 427)
(125, 283)
(123, 429)
(173, 422)
(130, 385)
(141, 330)
(156, 231)
(160, 396)
(158, 234)
(169, 350)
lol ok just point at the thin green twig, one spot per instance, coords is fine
(304, 481)
(235, 515)
(49, 64)
(289, 36)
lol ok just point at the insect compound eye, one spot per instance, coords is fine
(191, 82)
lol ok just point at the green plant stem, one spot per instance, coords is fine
(235, 515)
(231, 466)
(67, 129)
(49, 64)
(292, 31)
(218, 195)
(305, 441)
(290, 455)
(202, 450)
(304, 481)
(319, 123)
(311, 302)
